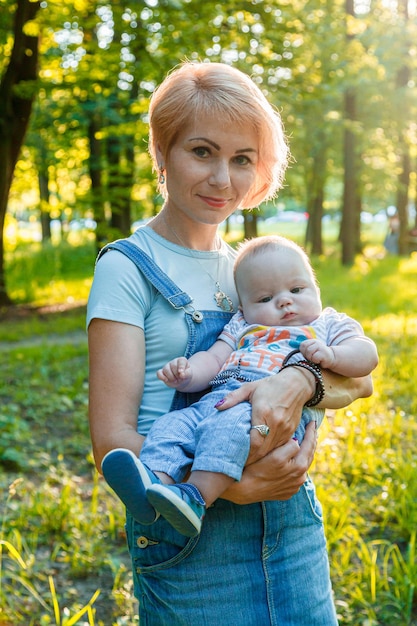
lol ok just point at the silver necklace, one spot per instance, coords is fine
(223, 301)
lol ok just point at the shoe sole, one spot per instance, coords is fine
(124, 472)
(173, 508)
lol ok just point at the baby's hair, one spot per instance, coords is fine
(251, 248)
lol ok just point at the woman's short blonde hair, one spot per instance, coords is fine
(194, 90)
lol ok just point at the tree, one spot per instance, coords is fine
(101, 61)
(314, 107)
(402, 81)
(17, 92)
(350, 217)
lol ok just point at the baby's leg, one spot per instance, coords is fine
(184, 505)
(130, 478)
(164, 478)
(211, 485)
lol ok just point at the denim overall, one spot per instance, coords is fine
(262, 564)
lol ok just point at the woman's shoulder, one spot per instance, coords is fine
(148, 240)
(151, 245)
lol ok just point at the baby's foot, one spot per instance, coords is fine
(130, 478)
(181, 505)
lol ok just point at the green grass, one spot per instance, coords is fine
(49, 286)
(61, 529)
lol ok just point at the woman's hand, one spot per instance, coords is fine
(276, 470)
(278, 475)
(277, 401)
(341, 391)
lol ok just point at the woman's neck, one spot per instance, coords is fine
(187, 234)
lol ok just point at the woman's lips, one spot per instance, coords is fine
(215, 202)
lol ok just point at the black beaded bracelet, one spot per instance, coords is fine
(316, 371)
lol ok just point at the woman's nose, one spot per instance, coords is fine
(220, 176)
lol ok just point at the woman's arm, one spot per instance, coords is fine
(278, 400)
(341, 391)
(116, 364)
(277, 466)
(278, 475)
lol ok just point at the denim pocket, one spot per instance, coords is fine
(313, 502)
(157, 546)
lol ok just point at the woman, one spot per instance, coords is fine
(218, 146)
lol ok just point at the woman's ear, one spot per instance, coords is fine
(159, 156)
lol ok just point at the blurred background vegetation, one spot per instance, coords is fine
(76, 78)
(75, 82)
(63, 558)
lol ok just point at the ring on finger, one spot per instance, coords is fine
(262, 429)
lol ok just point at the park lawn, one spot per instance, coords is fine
(62, 534)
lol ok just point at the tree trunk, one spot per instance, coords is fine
(43, 178)
(120, 184)
(348, 225)
(44, 194)
(95, 164)
(402, 199)
(17, 91)
(315, 196)
(403, 184)
(250, 224)
(314, 230)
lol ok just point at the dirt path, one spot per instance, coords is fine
(74, 338)
(23, 312)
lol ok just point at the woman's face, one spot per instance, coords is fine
(210, 169)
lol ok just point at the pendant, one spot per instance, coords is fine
(223, 301)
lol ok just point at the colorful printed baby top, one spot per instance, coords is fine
(263, 348)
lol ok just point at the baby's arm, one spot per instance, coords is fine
(354, 357)
(195, 373)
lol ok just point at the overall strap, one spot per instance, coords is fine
(176, 297)
(203, 330)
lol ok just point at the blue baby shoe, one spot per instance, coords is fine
(130, 478)
(181, 505)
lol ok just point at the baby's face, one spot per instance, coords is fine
(276, 288)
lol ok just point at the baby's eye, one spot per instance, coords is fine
(296, 290)
(265, 299)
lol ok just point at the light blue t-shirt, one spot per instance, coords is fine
(121, 293)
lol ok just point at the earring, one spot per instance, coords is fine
(161, 178)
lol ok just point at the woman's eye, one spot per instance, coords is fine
(201, 151)
(241, 159)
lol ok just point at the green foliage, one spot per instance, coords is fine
(58, 273)
(59, 517)
(100, 63)
(63, 551)
(14, 432)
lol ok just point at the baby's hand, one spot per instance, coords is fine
(317, 352)
(175, 372)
